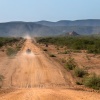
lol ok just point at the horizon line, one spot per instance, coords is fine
(47, 20)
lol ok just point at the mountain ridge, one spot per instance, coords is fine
(85, 22)
(47, 28)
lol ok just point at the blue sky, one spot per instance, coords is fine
(51, 10)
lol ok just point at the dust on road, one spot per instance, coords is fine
(38, 77)
(33, 69)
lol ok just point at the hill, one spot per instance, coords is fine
(23, 28)
(88, 22)
(46, 28)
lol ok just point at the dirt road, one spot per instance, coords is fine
(36, 76)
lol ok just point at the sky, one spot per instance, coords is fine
(50, 10)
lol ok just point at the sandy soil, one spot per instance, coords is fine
(90, 62)
(49, 94)
(36, 76)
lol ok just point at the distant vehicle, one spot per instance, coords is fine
(28, 51)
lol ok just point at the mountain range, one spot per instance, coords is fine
(47, 28)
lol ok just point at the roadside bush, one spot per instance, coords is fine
(11, 51)
(88, 58)
(63, 60)
(18, 47)
(5, 40)
(92, 82)
(57, 48)
(52, 55)
(45, 50)
(79, 72)
(1, 77)
(70, 64)
(66, 52)
(1, 80)
(76, 51)
(79, 83)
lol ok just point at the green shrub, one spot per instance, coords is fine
(1, 80)
(63, 60)
(79, 72)
(89, 43)
(92, 82)
(45, 50)
(76, 51)
(79, 83)
(70, 64)
(10, 41)
(57, 48)
(11, 51)
(52, 55)
(66, 52)
(88, 58)
(18, 47)
(1, 77)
